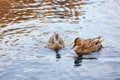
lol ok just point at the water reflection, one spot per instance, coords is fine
(16, 10)
(80, 57)
(21, 44)
(67, 9)
(78, 60)
(58, 56)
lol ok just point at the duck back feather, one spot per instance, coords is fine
(55, 42)
(88, 45)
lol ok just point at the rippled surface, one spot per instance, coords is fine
(23, 55)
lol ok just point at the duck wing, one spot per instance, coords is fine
(51, 39)
(61, 41)
(87, 44)
(92, 41)
(97, 40)
(91, 44)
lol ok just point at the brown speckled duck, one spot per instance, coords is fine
(82, 46)
(55, 42)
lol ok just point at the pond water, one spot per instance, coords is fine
(24, 35)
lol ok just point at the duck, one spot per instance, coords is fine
(55, 42)
(85, 46)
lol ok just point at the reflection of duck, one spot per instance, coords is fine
(78, 60)
(86, 46)
(58, 56)
(56, 43)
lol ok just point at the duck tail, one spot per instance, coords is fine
(101, 40)
(98, 40)
(99, 37)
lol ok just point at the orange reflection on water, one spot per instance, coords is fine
(16, 10)
(12, 11)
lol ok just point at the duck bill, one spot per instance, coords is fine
(73, 46)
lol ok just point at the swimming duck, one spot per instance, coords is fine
(55, 42)
(82, 46)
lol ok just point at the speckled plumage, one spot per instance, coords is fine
(55, 42)
(82, 46)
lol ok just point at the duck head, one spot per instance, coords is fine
(77, 42)
(57, 44)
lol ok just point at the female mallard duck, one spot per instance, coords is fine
(87, 46)
(55, 42)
